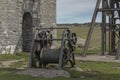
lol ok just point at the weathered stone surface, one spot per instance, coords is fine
(47, 73)
(16, 35)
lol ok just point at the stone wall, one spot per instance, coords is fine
(47, 13)
(11, 19)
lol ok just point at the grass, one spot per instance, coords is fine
(100, 70)
(20, 64)
(95, 43)
(8, 57)
(82, 33)
(102, 67)
(4, 57)
(90, 71)
(97, 71)
(79, 51)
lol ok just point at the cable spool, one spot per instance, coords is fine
(42, 54)
(49, 56)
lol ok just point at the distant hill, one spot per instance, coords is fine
(78, 25)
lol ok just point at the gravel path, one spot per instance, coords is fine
(106, 58)
(7, 64)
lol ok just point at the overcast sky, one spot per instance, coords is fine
(75, 11)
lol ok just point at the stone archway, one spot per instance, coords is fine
(27, 32)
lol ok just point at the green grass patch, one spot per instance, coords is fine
(5, 57)
(102, 67)
(96, 71)
(79, 51)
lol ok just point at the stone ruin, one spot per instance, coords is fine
(18, 18)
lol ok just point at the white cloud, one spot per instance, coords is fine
(73, 10)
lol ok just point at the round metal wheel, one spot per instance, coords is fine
(35, 56)
(64, 49)
(73, 40)
(69, 47)
(49, 39)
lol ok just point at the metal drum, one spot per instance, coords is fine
(50, 56)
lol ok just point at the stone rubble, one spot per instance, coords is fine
(47, 73)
